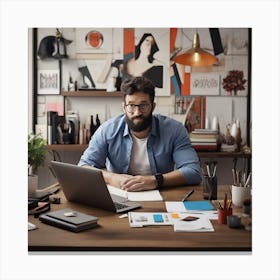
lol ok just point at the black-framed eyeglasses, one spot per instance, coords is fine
(144, 108)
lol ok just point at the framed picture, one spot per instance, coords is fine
(234, 79)
(48, 82)
(94, 40)
(205, 84)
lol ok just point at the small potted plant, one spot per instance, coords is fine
(36, 157)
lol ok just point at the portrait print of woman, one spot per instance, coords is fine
(144, 60)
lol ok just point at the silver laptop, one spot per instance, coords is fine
(87, 186)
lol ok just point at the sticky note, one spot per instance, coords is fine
(175, 216)
(158, 218)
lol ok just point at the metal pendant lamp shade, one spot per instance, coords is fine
(196, 56)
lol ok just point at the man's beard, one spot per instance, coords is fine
(146, 122)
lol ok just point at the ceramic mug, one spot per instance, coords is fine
(234, 221)
(238, 194)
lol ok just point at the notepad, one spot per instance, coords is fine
(198, 205)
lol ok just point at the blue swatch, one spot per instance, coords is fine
(158, 218)
(198, 205)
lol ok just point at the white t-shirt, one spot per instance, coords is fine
(139, 161)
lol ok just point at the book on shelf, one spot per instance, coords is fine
(205, 146)
(203, 136)
(203, 140)
(205, 131)
(52, 122)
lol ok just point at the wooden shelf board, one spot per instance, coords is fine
(95, 93)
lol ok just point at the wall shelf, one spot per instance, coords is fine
(93, 93)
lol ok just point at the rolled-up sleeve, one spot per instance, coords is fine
(185, 157)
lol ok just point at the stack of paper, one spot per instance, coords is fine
(191, 222)
(192, 216)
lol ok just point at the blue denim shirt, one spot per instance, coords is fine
(168, 147)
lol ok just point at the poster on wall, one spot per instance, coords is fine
(48, 82)
(234, 79)
(147, 54)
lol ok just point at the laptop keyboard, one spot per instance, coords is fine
(120, 205)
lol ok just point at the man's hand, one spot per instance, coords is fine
(117, 180)
(139, 183)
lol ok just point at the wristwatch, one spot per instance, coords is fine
(159, 178)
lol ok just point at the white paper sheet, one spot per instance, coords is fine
(153, 195)
(202, 224)
(141, 219)
(178, 207)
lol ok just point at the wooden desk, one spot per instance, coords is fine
(115, 234)
(82, 147)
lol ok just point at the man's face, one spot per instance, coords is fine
(138, 110)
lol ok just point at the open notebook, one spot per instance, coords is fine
(153, 195)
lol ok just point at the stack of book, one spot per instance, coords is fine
(204, 139)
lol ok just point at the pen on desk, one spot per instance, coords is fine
(188, 195)
(130, 218)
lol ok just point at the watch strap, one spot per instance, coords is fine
(159, 179)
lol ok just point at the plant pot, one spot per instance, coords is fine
(32, 184)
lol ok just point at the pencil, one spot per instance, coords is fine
(220, 206)
(225, 201)
(229, 205)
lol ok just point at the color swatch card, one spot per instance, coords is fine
(141, 219)
(198, 205)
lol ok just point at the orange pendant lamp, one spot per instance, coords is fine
(196, 56)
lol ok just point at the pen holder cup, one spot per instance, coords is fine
(223, 214)
(239, 194)
(210, 187)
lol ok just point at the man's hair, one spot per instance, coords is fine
(138, 84)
